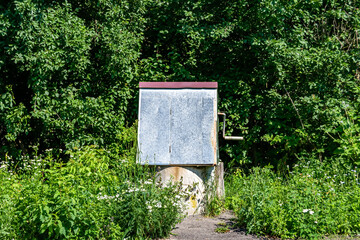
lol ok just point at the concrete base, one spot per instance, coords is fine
(201, 180)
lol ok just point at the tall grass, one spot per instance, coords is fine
(315, 199)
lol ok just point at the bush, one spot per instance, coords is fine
(288, 72)
(8, 193)
(91, 197)
(67, 73)
(314, 200)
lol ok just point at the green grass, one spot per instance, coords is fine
(222, 229)
(313, 200)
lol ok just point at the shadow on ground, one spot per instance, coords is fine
(201, 227)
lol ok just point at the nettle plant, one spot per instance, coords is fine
(92, 196)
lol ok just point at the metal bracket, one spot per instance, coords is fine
(235, 138)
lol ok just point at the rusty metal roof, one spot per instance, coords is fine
(206, 85)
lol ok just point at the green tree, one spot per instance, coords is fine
(287, 70)
(68, 72)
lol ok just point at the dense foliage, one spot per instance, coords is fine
(67, 73)
(315, 200)
(287, 72)
(91, 197)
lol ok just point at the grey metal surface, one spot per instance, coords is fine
(154, 129)
(177, 127)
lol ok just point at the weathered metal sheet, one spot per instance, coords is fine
(186, 132)
(154, 129)
(177, 126)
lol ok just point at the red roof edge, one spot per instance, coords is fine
(178, 85)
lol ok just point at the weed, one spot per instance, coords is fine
(222, 229)
(92, 196)
(314, 199)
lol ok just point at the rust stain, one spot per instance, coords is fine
(193, 201)
(214, 131)
(175, 172)
(213, 143)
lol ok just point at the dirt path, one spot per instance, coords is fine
(204, 228)
(200, 227)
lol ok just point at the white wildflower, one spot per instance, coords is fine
(134, 190)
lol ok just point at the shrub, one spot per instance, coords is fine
(315, 199)
(91, 197)
(8, 192)
(288, 72)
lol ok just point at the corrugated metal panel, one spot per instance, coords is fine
(178, 127)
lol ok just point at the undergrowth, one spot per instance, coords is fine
(92, 196)
(313, 200)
